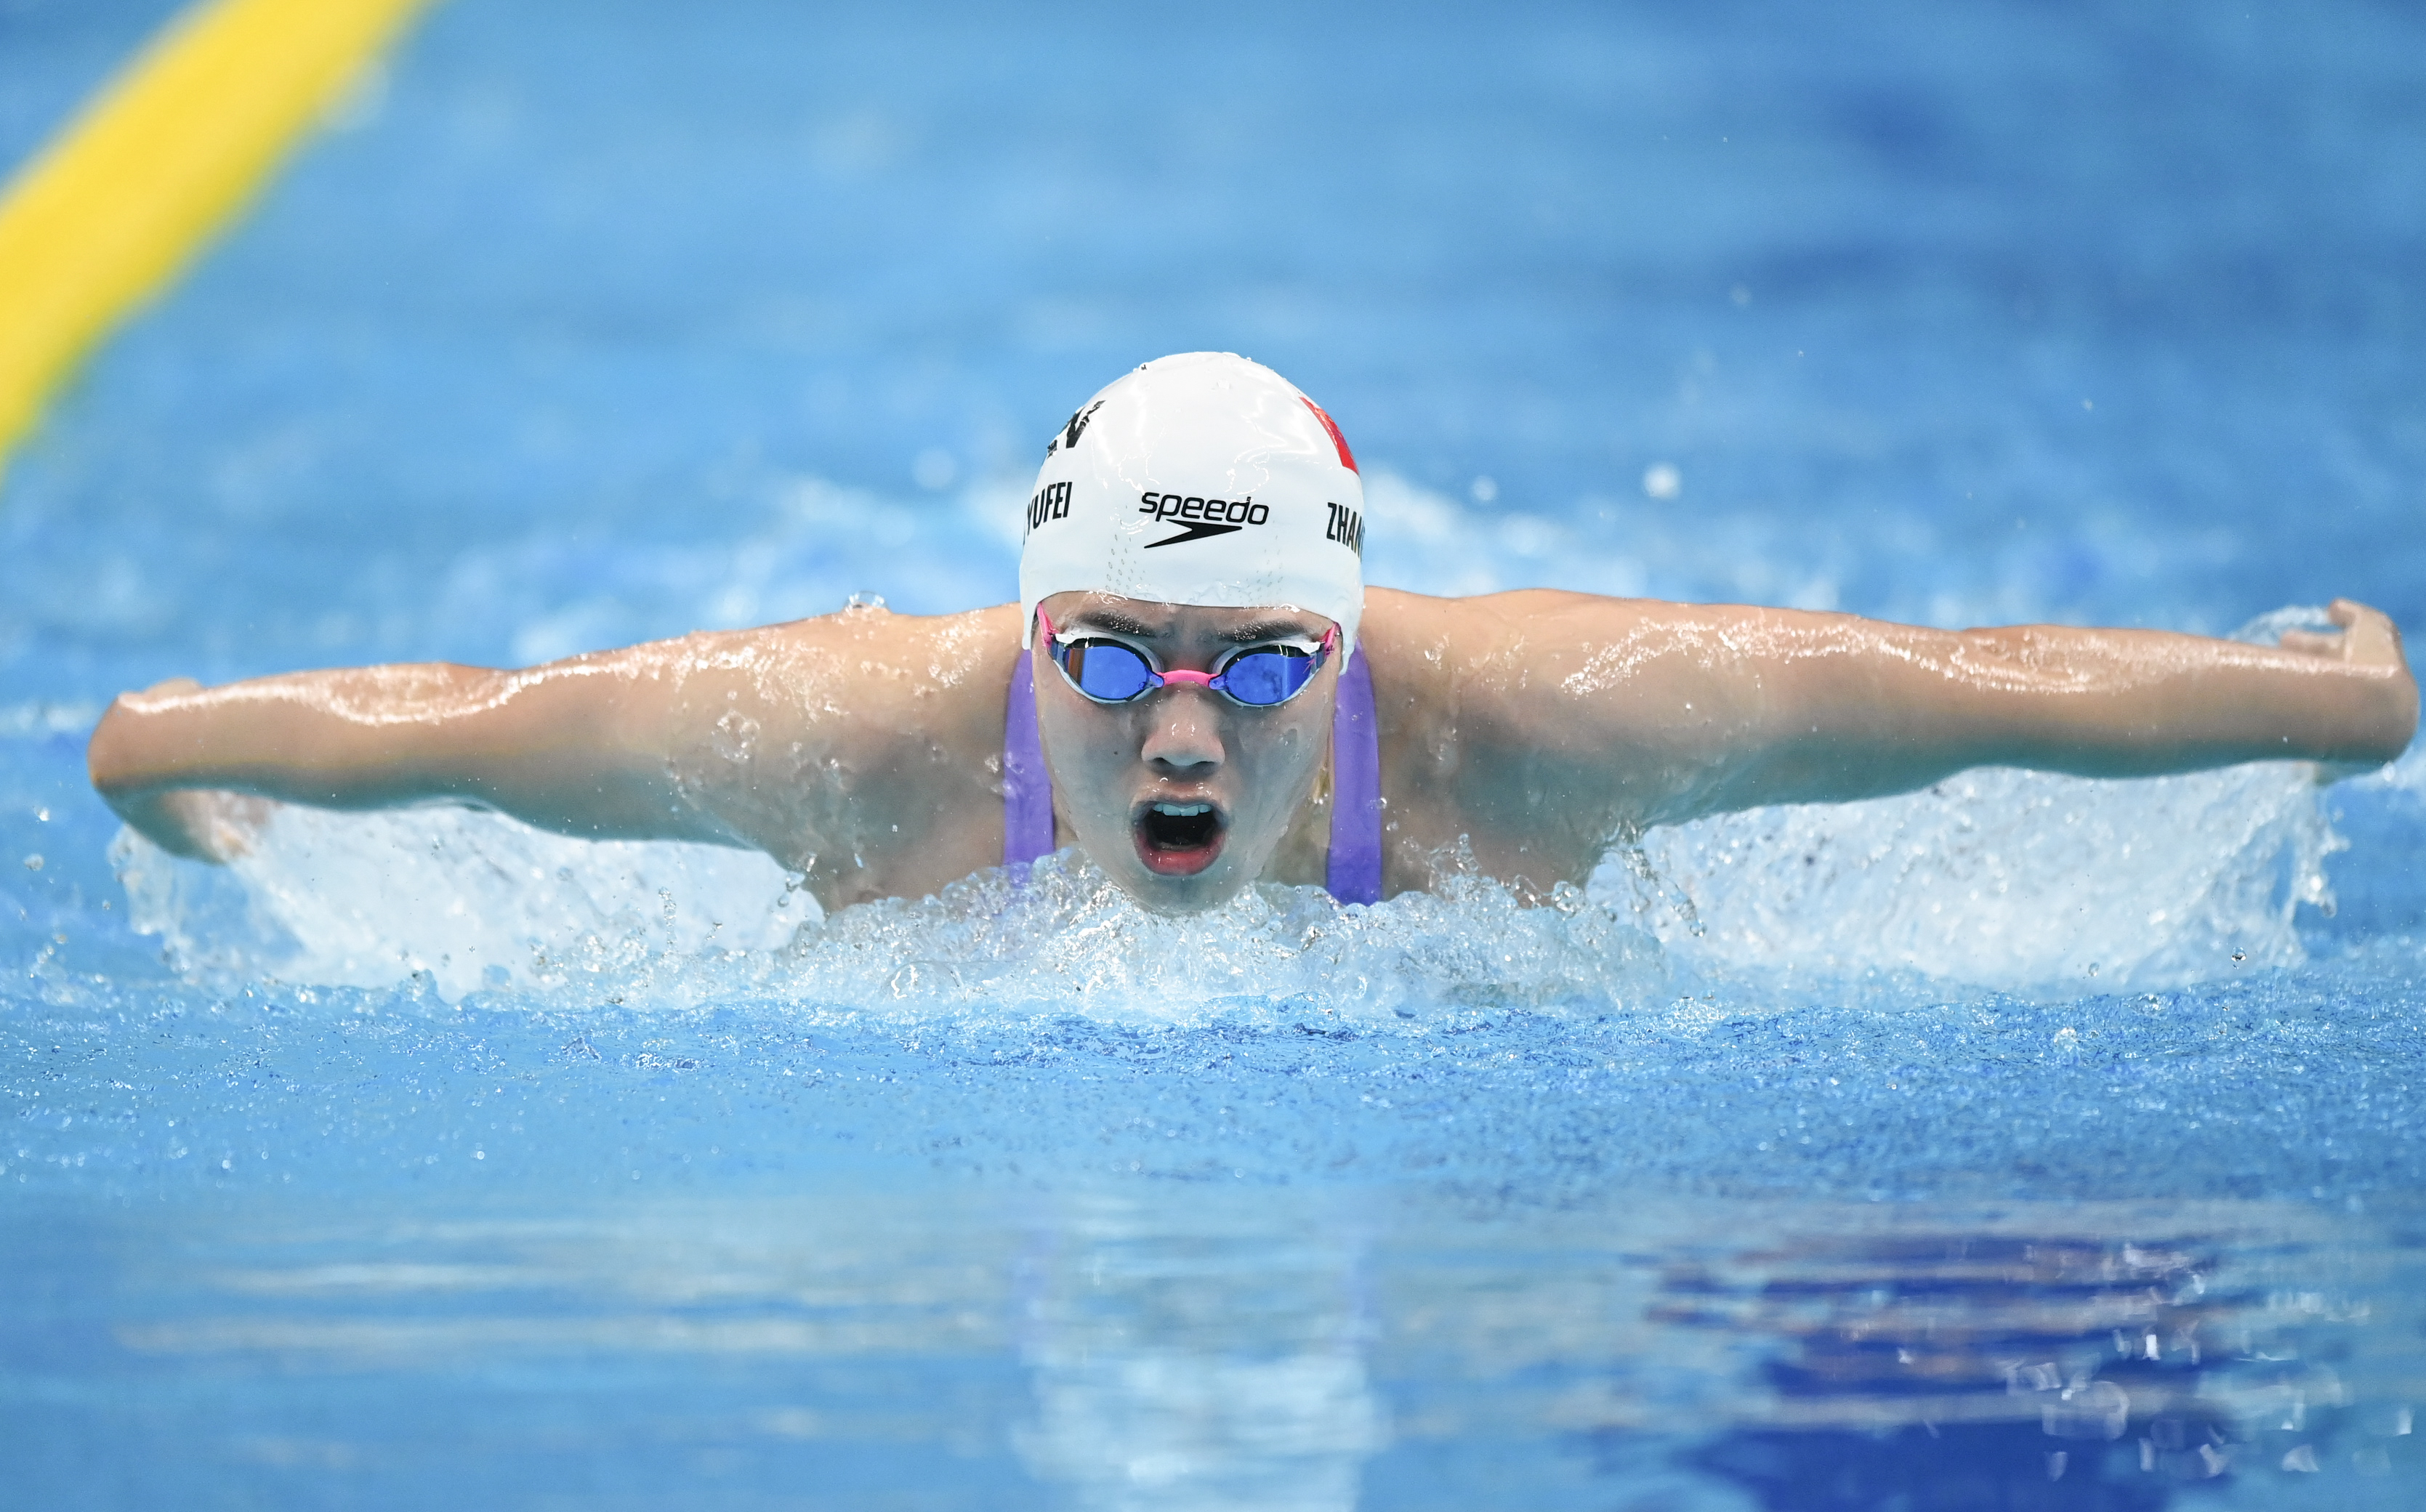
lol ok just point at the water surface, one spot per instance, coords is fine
(2024, 1143)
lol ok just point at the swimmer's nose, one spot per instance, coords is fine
(1186, 735)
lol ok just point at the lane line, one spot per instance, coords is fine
(164, 155)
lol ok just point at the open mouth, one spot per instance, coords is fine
(1178, 838)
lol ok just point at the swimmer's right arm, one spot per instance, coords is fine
(847, 746)
(568, 747)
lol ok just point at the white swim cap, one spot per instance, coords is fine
(1202, 479)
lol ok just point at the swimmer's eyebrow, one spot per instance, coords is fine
(1267, 630)
(1114, 622)
(1255, 633)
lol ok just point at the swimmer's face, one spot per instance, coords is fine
(1181, 796)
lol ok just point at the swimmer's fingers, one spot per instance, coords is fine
(170, 687)
(2367, 638)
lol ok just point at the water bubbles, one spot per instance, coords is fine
(1996, 878)
(34, 862)
(1483, 489)
(2091, 1410)
(1661, 480)
(734, 737)
(370, 900)
(2000, 877)
(346, 901)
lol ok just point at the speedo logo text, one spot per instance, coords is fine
(1201, 517)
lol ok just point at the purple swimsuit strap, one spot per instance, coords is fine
(1027, 786)
(1353, 874)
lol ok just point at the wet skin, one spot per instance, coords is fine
(1520, 733)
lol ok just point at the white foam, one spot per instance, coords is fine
(2005, 879)
(2008, 879)
(1066, 940)
(1999, 879)
(468, 897)
(473, 900)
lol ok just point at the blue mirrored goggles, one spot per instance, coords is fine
(1114, 671)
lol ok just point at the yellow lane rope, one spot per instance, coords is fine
(163, 156)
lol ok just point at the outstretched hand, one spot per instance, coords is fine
(2367, 638)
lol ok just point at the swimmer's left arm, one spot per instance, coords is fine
(1815, 708)
(1584, 717)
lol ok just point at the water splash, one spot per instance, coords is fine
(2003, 878)
(475, 901)
(466, 898)
(2006, 879)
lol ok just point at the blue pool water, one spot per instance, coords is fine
(2023, 1144)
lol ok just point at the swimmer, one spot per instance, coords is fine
(1197, 691)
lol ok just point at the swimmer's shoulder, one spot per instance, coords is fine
(863, 678)
(991, 634)
(948, 668)
(1424, 649)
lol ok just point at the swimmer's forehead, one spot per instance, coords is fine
(1147, 620)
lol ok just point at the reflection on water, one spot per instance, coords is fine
(1169, 1348)
(2101, 1363)
(1187, 1367)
